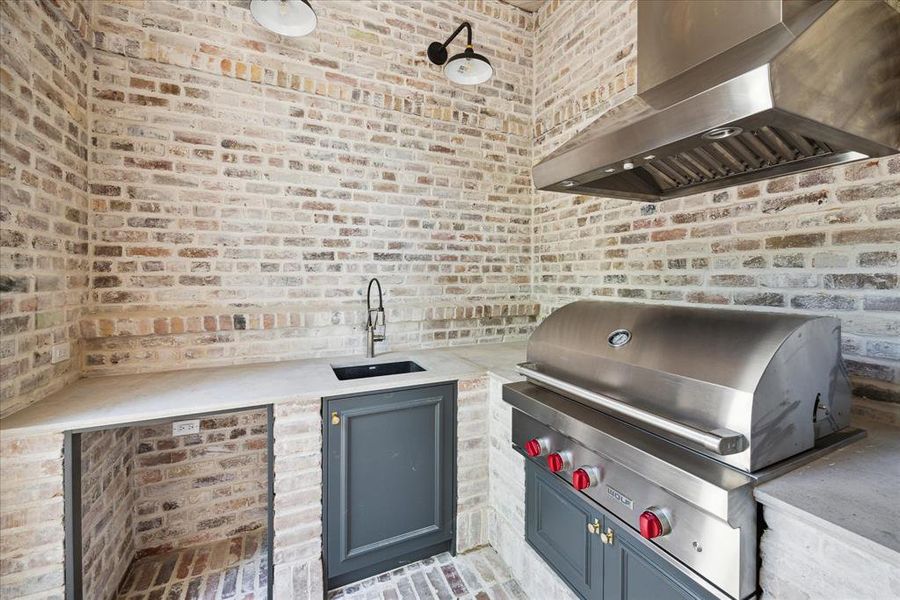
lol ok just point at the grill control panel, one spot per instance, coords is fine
(656, 516)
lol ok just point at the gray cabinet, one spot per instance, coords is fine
(389, 479)
(556, 526)
(565, 529)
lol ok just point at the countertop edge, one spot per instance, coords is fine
(865, 544)
(466, 366)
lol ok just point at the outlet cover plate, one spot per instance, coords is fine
(59, 353)
(186, 427)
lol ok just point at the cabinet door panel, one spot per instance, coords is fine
(389, 478)
(556, 527)
(636, 573)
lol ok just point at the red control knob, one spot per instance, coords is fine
(654, 523)
(535, 447)
(585, 477)
(559, 461)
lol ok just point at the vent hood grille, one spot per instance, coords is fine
(740, 154)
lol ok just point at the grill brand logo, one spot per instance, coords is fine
(617, 495)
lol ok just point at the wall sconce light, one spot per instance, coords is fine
(291, 18)
(465, 68)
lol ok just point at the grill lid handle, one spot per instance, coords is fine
(719, 441)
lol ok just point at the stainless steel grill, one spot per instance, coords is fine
(687, 409)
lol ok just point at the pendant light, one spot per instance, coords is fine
(465, 68)
(290, 18)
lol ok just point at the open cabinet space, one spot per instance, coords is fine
(166, 515)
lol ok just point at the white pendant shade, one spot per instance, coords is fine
(291, 18)
(468, 69)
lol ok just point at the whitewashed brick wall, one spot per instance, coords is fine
(800, 561)
(199, 488)
(506, 514)
(107, 509)
(245, 186)
(31, 517)
(584, 64)
(472, 464)
(43, 196)
(298, 500)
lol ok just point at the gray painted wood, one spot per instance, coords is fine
(556, 526)
(389, 479)
(634, 573)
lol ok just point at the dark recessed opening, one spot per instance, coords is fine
(152, 511)
(376, 370)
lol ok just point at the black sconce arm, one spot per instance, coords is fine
(437, 52)
(465, 25)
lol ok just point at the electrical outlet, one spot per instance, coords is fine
(186, 427)
(59, 353)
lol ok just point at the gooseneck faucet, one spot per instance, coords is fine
(372, 319)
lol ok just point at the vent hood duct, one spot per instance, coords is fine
(732, 92)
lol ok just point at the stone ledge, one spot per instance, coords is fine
(241, 318)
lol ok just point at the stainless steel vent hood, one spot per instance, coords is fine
(731, 92)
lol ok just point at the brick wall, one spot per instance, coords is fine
(472, 463)
(143, 491)
(245, 187)
(298, 500)
(43, 195)
(506, 506)
(107, 509)
(822, 242)
(802, 559)
(203, 487)
(584, 64)
(31, 517)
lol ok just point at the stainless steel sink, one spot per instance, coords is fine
(376, 370)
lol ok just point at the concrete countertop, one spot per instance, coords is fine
(851, 492)
(102, 401)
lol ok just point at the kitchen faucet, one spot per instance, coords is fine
(372, 319)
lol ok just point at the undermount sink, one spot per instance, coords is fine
(376, 370)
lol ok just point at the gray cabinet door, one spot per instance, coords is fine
(389, 479)
(556, 526)
(636, 573)
(556, 523)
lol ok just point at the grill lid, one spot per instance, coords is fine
(746, 388)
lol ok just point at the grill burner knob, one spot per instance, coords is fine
(585, 477)
(536, 447)
(559, 461)
(654, 523)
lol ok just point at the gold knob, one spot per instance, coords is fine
(608, 537)
(594, 527)
(335, 418)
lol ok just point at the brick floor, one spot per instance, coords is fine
(234, 568)
(477, 575)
